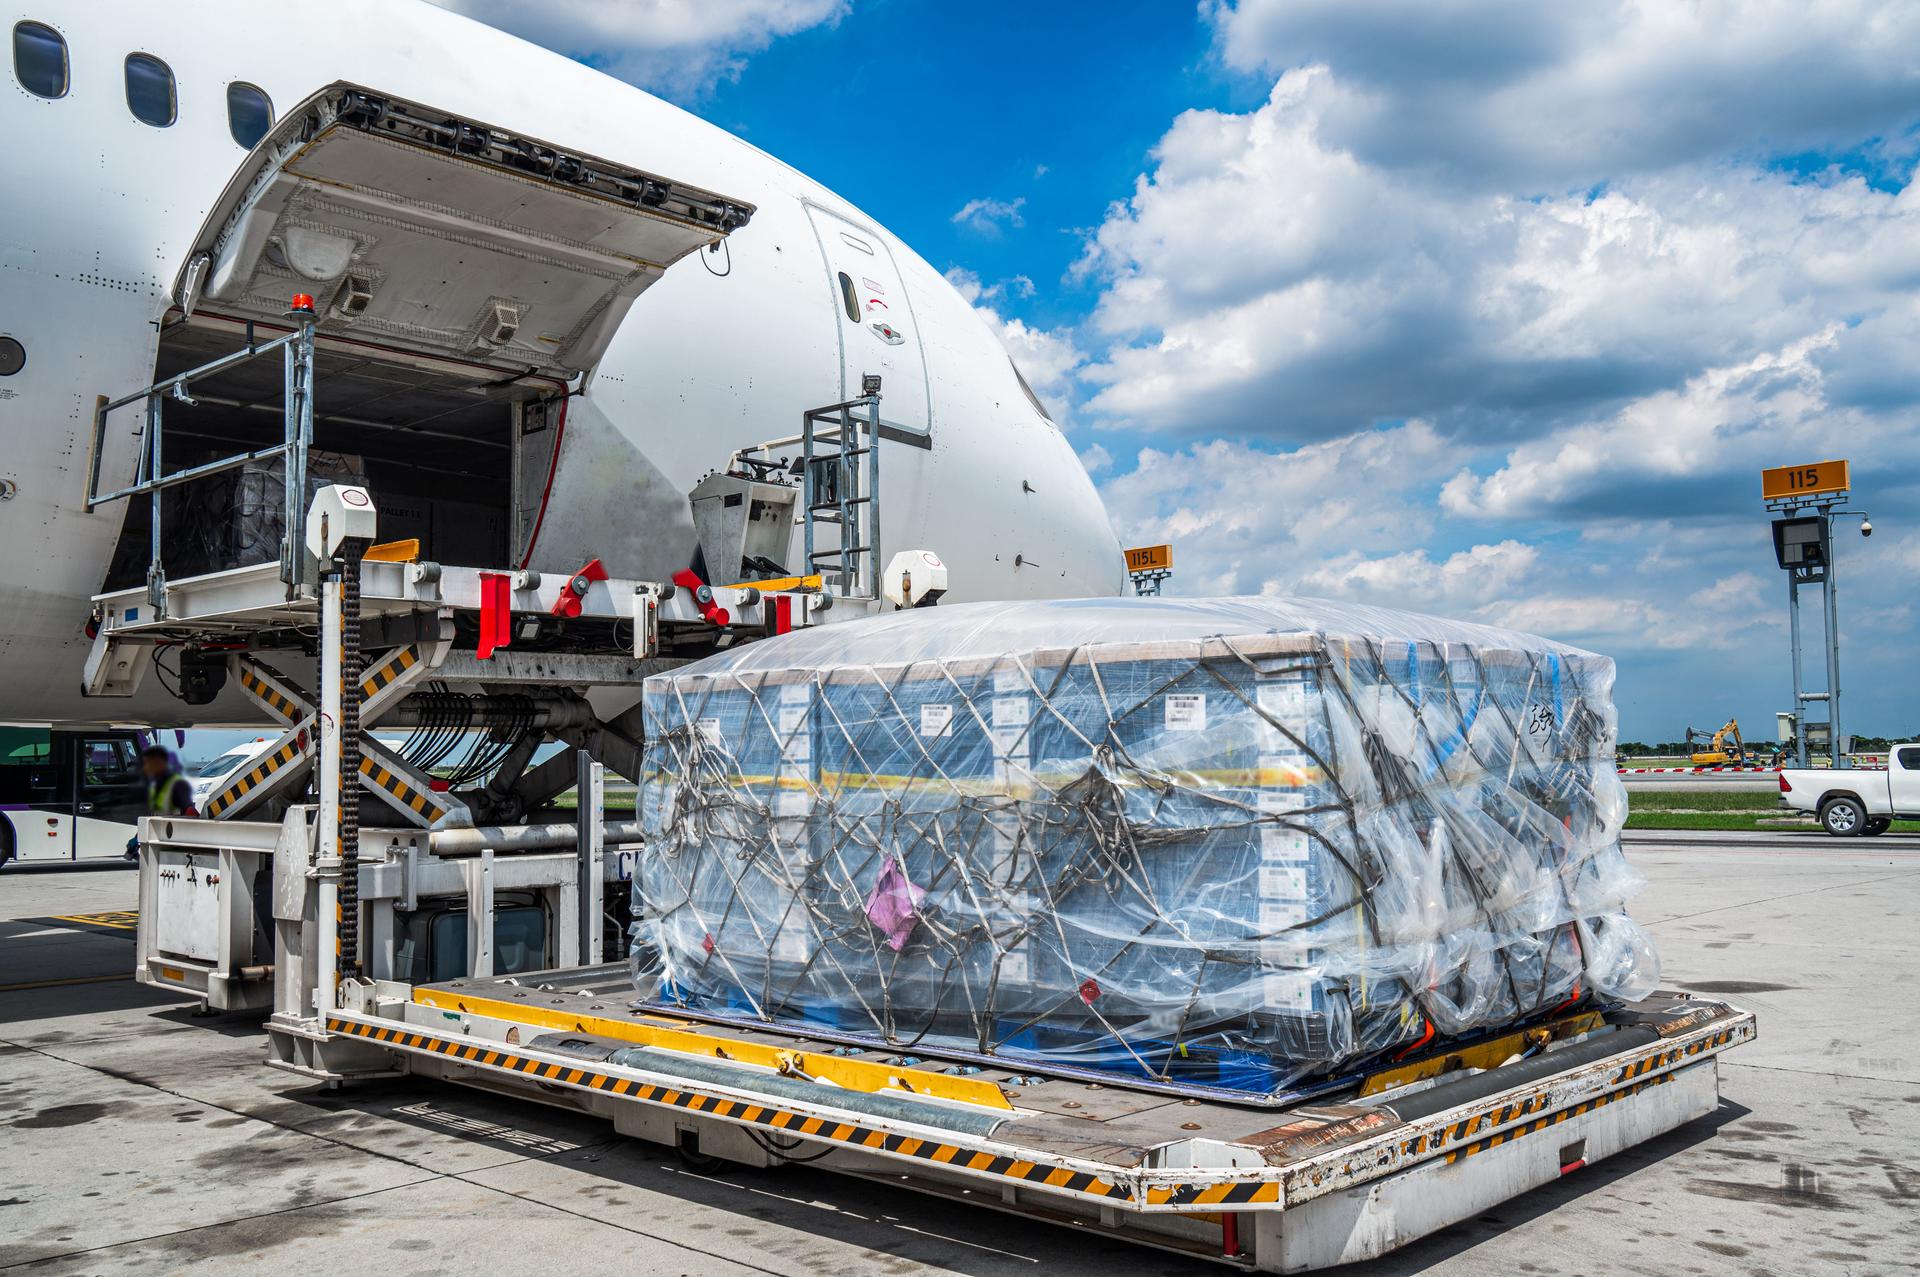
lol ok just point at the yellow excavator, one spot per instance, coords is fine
(1722, 747)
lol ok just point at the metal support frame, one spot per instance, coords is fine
(590, 815)
(1147, 584)
(1824, 577)
(833, 440)
(152, 479)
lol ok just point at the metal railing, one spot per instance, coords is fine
(152, 478)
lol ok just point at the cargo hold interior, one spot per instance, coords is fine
(434, 439)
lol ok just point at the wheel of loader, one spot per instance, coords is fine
(1843, 817)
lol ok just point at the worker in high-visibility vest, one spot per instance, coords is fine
(169, 792)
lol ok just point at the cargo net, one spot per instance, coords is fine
(1261, 842)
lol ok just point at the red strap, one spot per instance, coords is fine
(496, 612)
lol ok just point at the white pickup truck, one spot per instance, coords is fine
(1859, 801)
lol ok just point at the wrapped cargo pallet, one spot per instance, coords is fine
(1226, 845)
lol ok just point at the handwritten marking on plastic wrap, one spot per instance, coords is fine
(1541, 720)
(1186, 711)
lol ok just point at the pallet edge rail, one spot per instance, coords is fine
(1331, 1183)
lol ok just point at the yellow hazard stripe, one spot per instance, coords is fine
(1442, 1137)
(1673, 1055)
(679, 1035)
(1483, 1055)
(826, 1130)
(415, 800)
(778, 583)
(267, 693)
(388, 670)
(241, 786)
(1554, 1119)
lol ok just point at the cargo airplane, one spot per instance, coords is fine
(515, 382)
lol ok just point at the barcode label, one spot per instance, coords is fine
(1280, 843)
(1281, 801)
(1186, 711)
(1278, 915)
(796, 736)
(936, 720)
(1283, 882)
(1289, 991)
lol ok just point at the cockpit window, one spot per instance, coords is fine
(249, 113)
(849, 298)
(150, 94)
(40, 59)
(1027, 390)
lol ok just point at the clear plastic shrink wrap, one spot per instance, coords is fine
(1229, 843)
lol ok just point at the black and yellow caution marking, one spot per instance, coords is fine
(1577, 1110)
(255, 776)
(1674, 1056)
(828, 1130)
(1435, 1140)
(420, 802)
(388, 670)
(276, 701)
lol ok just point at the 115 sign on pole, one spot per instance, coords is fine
(1816, 479)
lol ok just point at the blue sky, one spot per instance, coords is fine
(1491, 309)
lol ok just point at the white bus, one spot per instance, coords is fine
(69, 795)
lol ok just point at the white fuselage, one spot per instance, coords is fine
(100, 209)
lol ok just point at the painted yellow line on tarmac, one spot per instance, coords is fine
(72, 979)
(118, 919)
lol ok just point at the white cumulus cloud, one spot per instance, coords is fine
(991, 216)
(679, 48)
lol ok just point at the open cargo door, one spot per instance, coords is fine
(425, 232)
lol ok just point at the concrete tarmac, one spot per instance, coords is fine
(135, 1137)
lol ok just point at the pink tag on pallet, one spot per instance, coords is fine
(893, 905)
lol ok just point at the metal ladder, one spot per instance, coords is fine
(840, 490)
